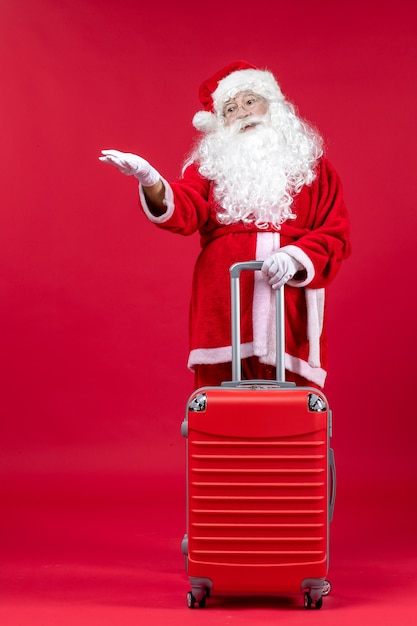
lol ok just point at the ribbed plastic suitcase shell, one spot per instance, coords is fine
(258, 490)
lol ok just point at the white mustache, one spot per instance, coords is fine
(254, 120)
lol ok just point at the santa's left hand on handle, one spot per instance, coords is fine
(279, 268)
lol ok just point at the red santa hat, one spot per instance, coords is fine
(225, 84)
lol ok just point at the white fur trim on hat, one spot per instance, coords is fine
(260, 82)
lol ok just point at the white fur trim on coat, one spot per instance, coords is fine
(263, 308)
(168, 201)
(315, 315)
(299, 255)
(211, 356)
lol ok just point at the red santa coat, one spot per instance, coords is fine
(318, 238)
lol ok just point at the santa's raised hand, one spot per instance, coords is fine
(132, 165)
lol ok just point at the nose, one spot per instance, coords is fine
(242, 112)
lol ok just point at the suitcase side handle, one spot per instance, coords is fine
(235, 272)
(332, 466)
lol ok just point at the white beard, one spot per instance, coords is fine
(258, 172)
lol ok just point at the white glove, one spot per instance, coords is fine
(131, 165)
(279, 268)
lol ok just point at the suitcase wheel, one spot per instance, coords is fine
(327, 587)
(308, 602)
(191, 600)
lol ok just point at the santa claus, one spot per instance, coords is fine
(256, 187)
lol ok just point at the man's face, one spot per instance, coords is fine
(243, 106)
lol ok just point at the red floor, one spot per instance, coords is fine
(95, 554)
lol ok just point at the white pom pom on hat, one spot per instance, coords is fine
(205, 121)
(225, 84)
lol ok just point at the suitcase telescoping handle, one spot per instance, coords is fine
(235, 271)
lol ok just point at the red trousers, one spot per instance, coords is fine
(214, 375)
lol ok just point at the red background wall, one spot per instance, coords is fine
(94, 300)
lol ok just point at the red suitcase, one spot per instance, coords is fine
(261, 481)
